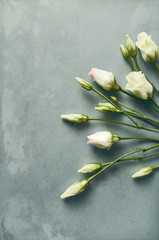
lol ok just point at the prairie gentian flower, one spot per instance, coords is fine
(148, 48)
(106, 107)
(138, 85)
(75, 189)
(102, 139)
(75, 118)
(105, 79)
(143, 172)
(131, 47)
(90, 167)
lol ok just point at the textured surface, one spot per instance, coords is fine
(44, 44)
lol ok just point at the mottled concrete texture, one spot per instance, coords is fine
(44, 44)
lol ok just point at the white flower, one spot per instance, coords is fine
(138, 84)
(106, 107)
(75, 189)
(90, 167)
(105, 79)
(130, 45)
(147, 46)
(76, 117)
(143, 172)
(102, 139)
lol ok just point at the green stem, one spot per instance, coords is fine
(133, 96)
(136, 63)
(129, 108)
(107, 99)
(143, 117)
(133, 158)
(130, 63)
(138, 150)
(157, 66)
(126, 124)
(155, 103)
(140, 138)
(155, 167)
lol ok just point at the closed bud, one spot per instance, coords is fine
(75, 189)
(106, 107)
(102, 139)
(75, 118)
(105, 79)
(114, 98)
(84, 84)
(130, 45)
(143, 172)
(90, 167)
(124, 51)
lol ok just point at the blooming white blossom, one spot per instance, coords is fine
(130, 45)
(143, 172)
(106, 107)
(90, 167)
(105, 79)
(76, 117)
(138, 85)
(148, 48)
(102, 139)
(75, 189)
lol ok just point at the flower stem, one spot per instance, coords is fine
(140, 138)
(143, 117)
(138, 150)
(136, 63)
(157, 66)
(155, 103)
(155, 167)
(126, 124)
(107, 99)
(133, 158)
(129, 108)
(130, 63)
(133, 96)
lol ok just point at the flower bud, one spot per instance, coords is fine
(105, 79)
(90, 167)
(138, 85)
(84, 83)
(130, 45)
(75, 118)
(75, 189)
(102, 139)
(106, 107)
(124, 51)
(114, 98)
(148, 48)
(143, 172)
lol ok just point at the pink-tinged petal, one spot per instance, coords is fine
(92, 72)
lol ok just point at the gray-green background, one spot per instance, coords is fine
(44, 44)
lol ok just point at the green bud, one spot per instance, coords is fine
(75, 118)
(84, 84)
(106, 107)
(143, 172)
(75, 189)
(114, 98)
(130, 45)
(124, 51)
(89, 168)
